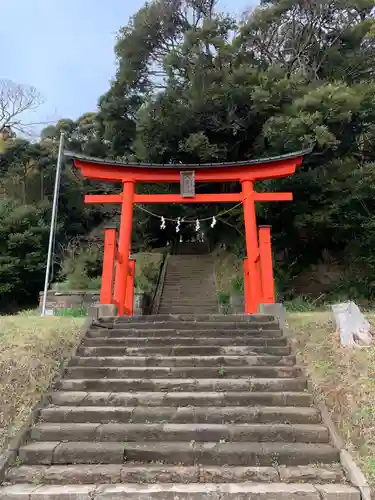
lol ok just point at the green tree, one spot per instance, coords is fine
(24, 233)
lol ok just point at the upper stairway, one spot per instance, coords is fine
(180, 408)
(189, 284)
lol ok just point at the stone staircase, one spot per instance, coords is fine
(180, 408)
(189, 285)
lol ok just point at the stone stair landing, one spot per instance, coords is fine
(180, 408)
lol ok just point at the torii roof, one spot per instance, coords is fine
(188, 166)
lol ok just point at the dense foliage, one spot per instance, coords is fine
(195, 85)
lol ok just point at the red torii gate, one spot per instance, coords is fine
(258, 271)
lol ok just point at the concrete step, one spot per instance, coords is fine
(186, 283)
(197, 318)
(178, 304)
(153, 372)
(183, 341)
(186, 350)
(177, 399)
(182, 414)
(164, 474)
(187, 288)
(184, 384)
(192, 275)
(134, 332)
(183, 453)
(174, 299)
(176, 296)
(202, 325)
(196, 491)
(120, 432)
(171, 361)
(189, 309)
(193, 266)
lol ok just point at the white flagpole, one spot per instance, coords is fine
(53, 222)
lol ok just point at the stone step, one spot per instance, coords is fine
(178, 295)
(120, 432)
(194, 273)
(188, 318)
(190, 309)
(191, 350)
(203, 325)
(181, 305)
(191, 269)
(183, 341)
(177, 399)
(186, 290)
(153, 372)
(171, 361)
(186, 287)
(183, 385)
(151, 474)
(183, 453)
(195, 491)
(187, 304)
(189, 277)
(192, 277)
(133, 332)
(182, 414)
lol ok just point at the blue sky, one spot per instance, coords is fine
(65, 48)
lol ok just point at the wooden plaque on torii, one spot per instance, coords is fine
(187, 183)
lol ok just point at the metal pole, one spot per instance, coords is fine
(53, 222)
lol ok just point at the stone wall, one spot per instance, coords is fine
(78, 299)
(69, 300)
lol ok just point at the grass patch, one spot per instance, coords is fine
(31, 351)
(72, 312)
(342, 377)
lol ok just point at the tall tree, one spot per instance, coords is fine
(17, 103)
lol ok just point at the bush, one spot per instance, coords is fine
(223, 298)
(80, 267)
(238, 285)
(147, 270)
